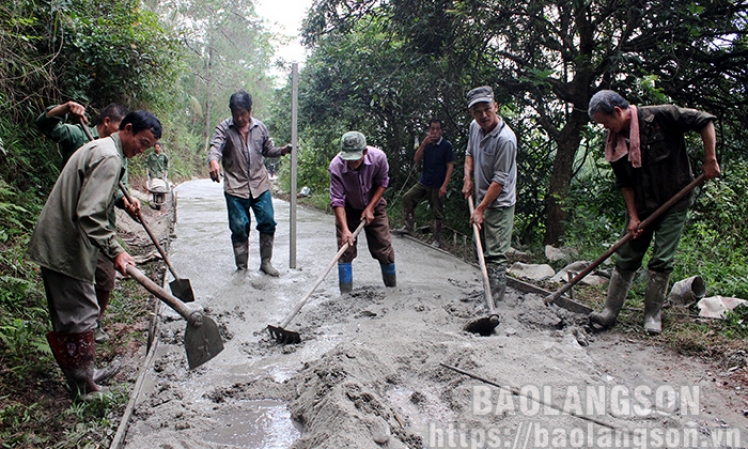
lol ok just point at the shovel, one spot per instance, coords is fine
(550, 299)
(181, 288)
(201, 338)
(483, 326)
(286, 336)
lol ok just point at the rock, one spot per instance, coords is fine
(555, 254)
(534, 272)
(574, 268)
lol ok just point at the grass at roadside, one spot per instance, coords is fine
(35, 407)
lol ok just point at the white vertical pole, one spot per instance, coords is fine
(294, 157)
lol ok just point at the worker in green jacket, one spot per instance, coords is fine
(73, 228)
(70, 137)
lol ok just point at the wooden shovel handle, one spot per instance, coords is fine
(647, 221)
(484, 271)
(193, 317)
(140, 216)
(322, 276)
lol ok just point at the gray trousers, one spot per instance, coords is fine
(72, 302)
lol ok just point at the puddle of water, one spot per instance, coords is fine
(266, 424)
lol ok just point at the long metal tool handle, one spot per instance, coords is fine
(150, 234)
(482, 260)
(140, 216)
(162, 294)
(660, 210)
(323, 276)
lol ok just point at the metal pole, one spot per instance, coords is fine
(295, 144)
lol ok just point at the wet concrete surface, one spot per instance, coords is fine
(367, 373)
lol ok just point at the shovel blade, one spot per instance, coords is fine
(182, 289)
(284, 336)
(483, 326)
(202, 342)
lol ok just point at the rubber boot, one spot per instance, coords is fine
(99, 335)
(345, 277)
(620, 282)
(241, 255)
(266, 253)
(437, 242)
(75, 354)
(102, 299)
(497, 279)
(657, 284)
(389, 274)
(102, 375)
(408, 223)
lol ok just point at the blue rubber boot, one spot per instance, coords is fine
(389, 275)
(345, 277)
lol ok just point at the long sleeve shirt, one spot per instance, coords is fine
(243, 162)
(73, 225)
(355, 188)
(70, 138)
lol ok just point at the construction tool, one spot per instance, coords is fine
(202, 340)
(286, 336)
(483, 326)
(550, 299)
(518, 393)
(181, 288)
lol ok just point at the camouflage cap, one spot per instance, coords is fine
(482, 94)
(352, 146)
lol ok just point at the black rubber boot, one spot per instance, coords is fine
(266, 253)
(437, 242)
(620, 282)
(497, 279)
(241, 255)
(408, 224)
(657, 284)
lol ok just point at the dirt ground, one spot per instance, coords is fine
(369, 373)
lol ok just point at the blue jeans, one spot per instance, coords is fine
(239, 218)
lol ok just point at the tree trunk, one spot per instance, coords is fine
(563, 167)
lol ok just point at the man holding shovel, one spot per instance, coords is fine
(359, 175)
(646, 148)
(242, 143)
(491, 159)
(70, 137)
(72, 229)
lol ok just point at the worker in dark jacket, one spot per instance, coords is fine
(647, 149)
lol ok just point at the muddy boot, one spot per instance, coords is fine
(497, 279)
(99, 335)
(266, 253)
(102, 375)
(389, 275)
(437, 242)
(657, 284)
(409, 223)
(241, 255)
(620, 282)
(75, 354)
(345, 277)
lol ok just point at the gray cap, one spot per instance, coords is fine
(483, 94)
(352, 146)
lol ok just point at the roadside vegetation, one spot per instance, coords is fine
(384, 68)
